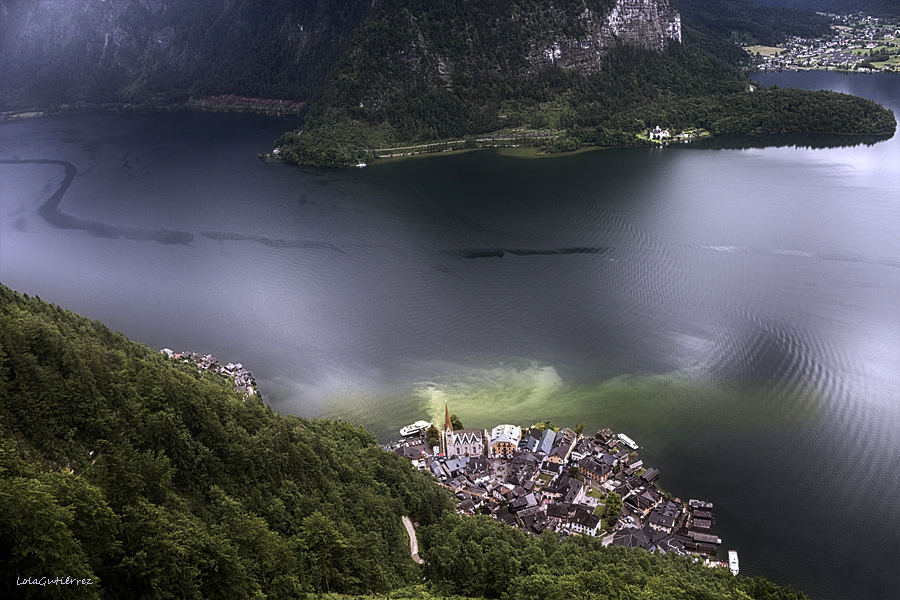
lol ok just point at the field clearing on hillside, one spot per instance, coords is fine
(764, 50)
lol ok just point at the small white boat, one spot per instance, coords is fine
(415, 428)
(628, 441)
(360, 165)
(733, 561)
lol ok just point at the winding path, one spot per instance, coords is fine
(413, 542)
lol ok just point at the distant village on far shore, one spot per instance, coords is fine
(545, 478)
(858, 43)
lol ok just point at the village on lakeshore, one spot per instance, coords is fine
(243, 380)
(545, 478)
(858, 43)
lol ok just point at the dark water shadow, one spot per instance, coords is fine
(272, 242)
(473, 253)
(50, 212)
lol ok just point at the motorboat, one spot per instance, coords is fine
(415, 429)
(733, 561)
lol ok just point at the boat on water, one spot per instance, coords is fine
(415, 429)
(733, 561)
(628, 441)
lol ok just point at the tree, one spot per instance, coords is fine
(579, 429)
(37, 541)
(613, 507)
(457, 424)
(433, 436)
(325, 550)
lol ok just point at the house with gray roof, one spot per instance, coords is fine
(585, 522)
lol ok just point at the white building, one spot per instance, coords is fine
(465, 442)
(504, 440)
(659, 134)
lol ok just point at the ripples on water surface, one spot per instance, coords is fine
(733, 310)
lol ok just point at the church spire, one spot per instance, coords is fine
(448, 426)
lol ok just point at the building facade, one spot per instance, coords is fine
(465, 442)
(504, 440)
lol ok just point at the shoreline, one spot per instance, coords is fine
(212, 104)
(545, 478)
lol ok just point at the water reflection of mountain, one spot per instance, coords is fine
(787, 140)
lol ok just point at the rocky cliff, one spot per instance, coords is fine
(167, 50)
(420, 47)
(649, 24)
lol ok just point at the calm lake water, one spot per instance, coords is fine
(735, 310)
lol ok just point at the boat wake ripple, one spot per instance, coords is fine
(887, 261)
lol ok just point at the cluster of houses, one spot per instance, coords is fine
(242, 378)
(664, 135)
(855, 37)
(545, 479)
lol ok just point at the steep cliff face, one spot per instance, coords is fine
(423, 47)
(648, 24)
(134, 50)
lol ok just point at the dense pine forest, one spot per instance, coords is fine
(158, 481)
(870, 7)
(155, 480)
(745, 21)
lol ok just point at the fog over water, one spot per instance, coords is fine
(735, 311)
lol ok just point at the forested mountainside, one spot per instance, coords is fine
(155, 480)
(560, 75)
(167, 50)
(749, 22)
(841, 7)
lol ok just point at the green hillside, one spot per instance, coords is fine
(123, 466)
(153, 480)
(752, 23)
(869, 7)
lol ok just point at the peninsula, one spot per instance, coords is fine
(424, 77)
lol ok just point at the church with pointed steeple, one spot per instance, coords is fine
(465, 442)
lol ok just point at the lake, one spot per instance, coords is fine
(734, 309)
